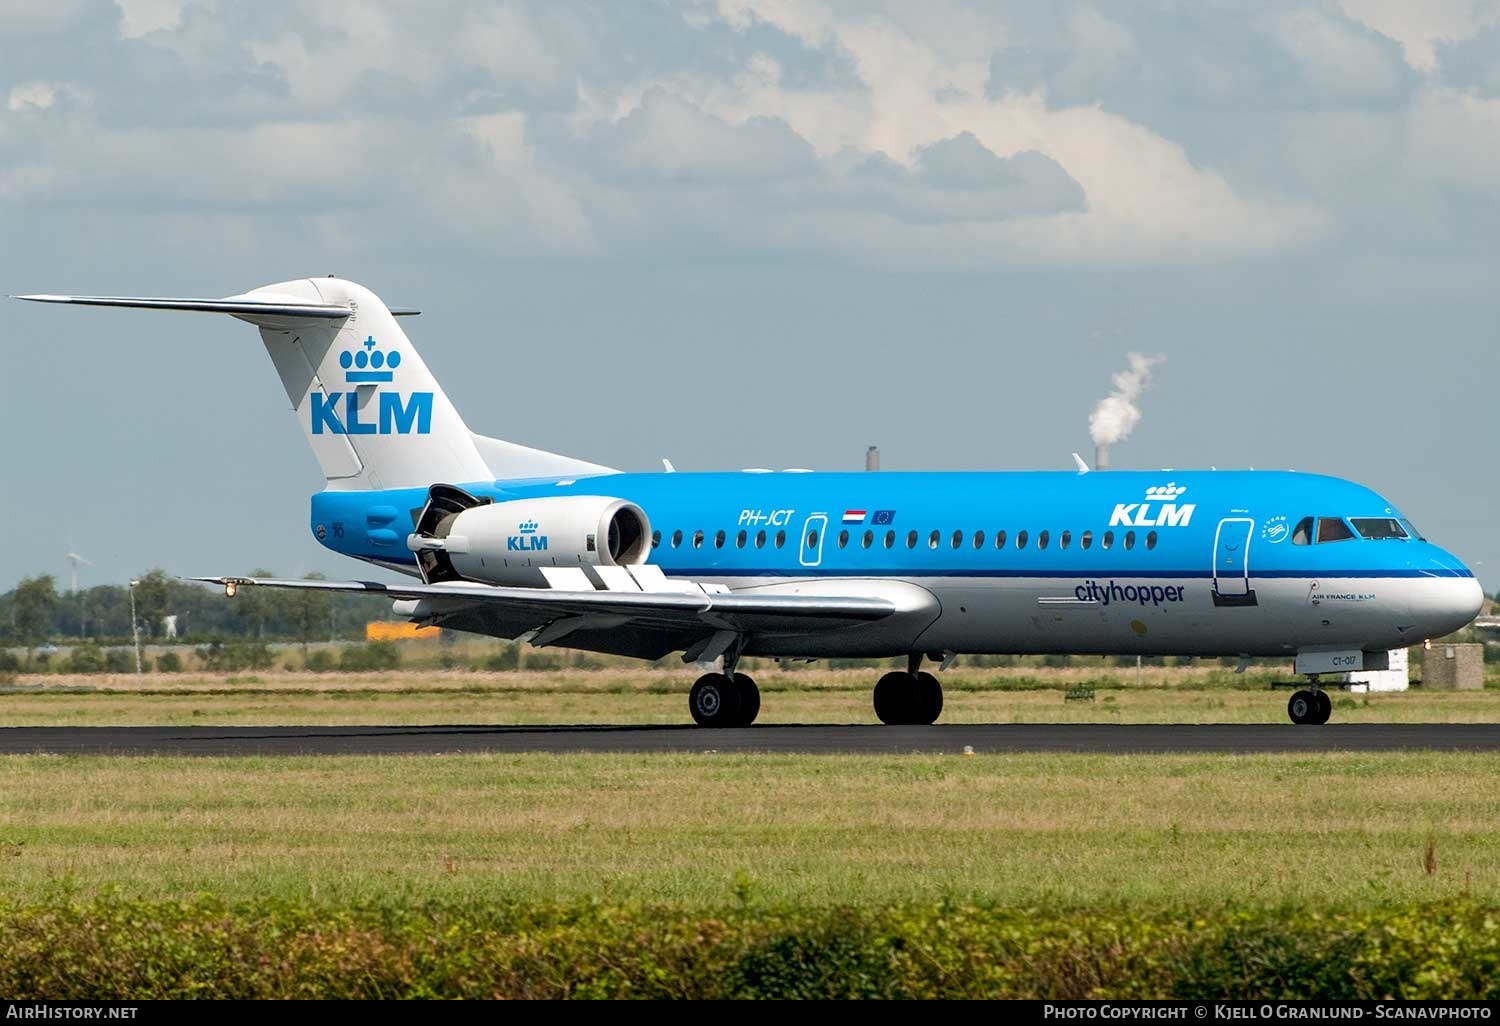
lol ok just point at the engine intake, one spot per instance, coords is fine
(461, 537)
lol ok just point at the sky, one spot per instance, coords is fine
(749, 233)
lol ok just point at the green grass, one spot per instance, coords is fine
(207, 948)
(705, 831)
(1198, 694)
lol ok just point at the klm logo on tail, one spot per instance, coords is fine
(337, 413)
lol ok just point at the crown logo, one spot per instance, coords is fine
(1164, 493)
(368, 364)
(528, 527)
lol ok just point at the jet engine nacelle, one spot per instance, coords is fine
(459, 537)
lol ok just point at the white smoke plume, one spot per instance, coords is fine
(1117, 414)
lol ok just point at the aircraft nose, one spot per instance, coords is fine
(1447, 604)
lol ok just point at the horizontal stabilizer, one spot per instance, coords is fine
(230, 306)
(252, 310)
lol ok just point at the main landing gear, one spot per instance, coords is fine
(908, 696)
(724, 700)
(1312, 706)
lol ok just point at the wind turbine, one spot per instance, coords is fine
(74, 561)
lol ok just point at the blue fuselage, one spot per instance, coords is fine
(1189, 562)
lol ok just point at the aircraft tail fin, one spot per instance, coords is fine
(372, 412)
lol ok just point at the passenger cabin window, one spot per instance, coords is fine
(843, 538)
(719, 540)
(958, 539)
(1065, 539)
(1020, 539)
(780, 539)
(739, 540)
(697, 539)
(1042, 540)
(979, 539)
(655, 539)
(1333, 529)
(934, 539)
(1302, 533)
(869, 538)
(1151, 539)
(1129, 540)
(1086, 539)
(760, 539)
(1108, 541)
(1379, 528)
(812, 540)
(890, 539)
(911, 539)
(676, 539)
(999, 539)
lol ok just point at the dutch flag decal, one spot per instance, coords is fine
(854, 516)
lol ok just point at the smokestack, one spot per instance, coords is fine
(1117, 414)
(872, 458)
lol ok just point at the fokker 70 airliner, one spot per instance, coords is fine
(504, 540)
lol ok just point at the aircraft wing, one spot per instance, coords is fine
(673, 619)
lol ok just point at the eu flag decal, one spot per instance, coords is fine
(884, 516)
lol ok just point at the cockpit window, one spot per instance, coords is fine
(1333, 529)
(1379, 528)
(1302, 533)
(1412, 530)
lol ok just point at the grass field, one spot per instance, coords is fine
(639, 696)
(711, 830)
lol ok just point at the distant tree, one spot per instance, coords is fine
(255, 606)
(153, 599)
(122, 660)
(309, 613)
(373, 655)
(86, 658)
(34, 602)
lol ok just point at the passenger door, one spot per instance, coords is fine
(1231, 571)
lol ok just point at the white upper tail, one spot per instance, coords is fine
(372, 411)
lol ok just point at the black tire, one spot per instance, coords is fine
(1325, 707)
(749, 699)
(714, 701)
(929, 699)
(1302, 707)
(896, 698)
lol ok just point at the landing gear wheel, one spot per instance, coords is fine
(929, 699)
(896, 698)
(1303, 707)
(749, 699)
(715, 701)
(1325, 707)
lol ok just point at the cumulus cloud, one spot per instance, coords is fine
(942, 134)
(1472, 63)
(1421, 28)
(953, 180)
(140, 17)
(669, 139)
(34, 96)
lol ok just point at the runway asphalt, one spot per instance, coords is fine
(819, 739)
